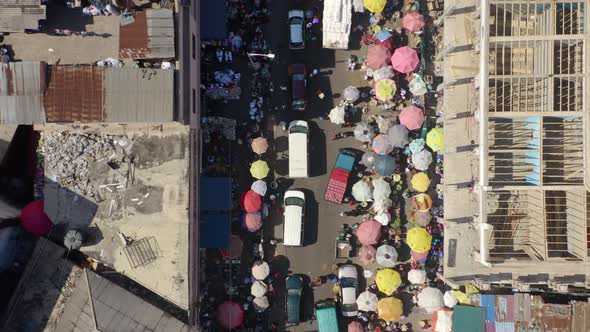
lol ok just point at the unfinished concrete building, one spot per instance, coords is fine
(531, 223)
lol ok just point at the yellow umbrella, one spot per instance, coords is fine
(421, 202)
(259, 169)
(419, 239)
(375, 6)
(390, 309)
(388, 281)
(435, 139)
(420, 182)
(385, 89)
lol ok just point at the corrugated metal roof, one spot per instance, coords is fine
(18, 15)
(581, 317)
(139, 95)
(504, 327)
(522, 307)
(489, 303)
(504, 308)
(21, 92)
(467, 318)
(151, 36)
(75, 93)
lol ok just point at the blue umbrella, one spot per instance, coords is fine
(383, 35)
(384, 165)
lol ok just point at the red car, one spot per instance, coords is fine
(297, 73)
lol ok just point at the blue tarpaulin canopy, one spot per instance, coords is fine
(215, 231)
(213, 19)
(216, 205)
(215, 194)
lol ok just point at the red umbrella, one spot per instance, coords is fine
(411, 117)
(405, 59)
(388, 43)
(413, 21)
(369, 232)
(378, 56)
(367, 254)
(253, 221)
(251, 201)
(355, 326)
(229, 315)
(34, 220)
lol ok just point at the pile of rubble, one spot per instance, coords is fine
(94, 165)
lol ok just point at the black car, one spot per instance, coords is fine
(294, 285)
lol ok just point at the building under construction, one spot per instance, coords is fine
(527, 64)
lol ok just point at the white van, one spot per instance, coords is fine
(298, 159)
(294, 216)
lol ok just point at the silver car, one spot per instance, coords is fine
(347, 274)
(296, 29)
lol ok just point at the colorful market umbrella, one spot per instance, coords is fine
(419, 239)
(435, 139)
(362, 192)
(260, 303)
(368, 232)
(422, 218)
(351, 94)
(375, 6)
(385, 89)
(411, 117)
(386, 256)
(422, 160)
(383, 72)
(259, 169)
(383, 217)
(421, 202)
(337, 115)
(259, 187)
(381, 189)
(430, 299)
(259, 145)
(390, 309)
(417, 277)
(368, 158)
(418, 86)
(384, 165)
(416, 145)
(420, 182)
(229, 315)
(381, 145)
(378, 56)
(34, 220)
(388, 281)
(367, 301)
(398, 136)
(413, 21)
(367, 254)
(251, 201)
(384, 123)
(364, 132)
(355, 326)
(405, 60)
(258, 288)
(253, 221)
(383, 35)
(260, 270)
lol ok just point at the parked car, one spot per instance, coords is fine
(297, 73)
(347, 274)
(325, 312)
(296, 30)
(294, 286)
(294, 218)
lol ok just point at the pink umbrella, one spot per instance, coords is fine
(413, 21)
(355, 326)
(229, 315)
(378, 56)
(253, 221)
(411, 117)
(367, 254)
(369, 232)
(251, 201)
(404, 59)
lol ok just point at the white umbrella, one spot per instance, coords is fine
(260, 270)
(261, 303)
(367, 301)
(258, 288)
(398, 136)
(337, 115)
(431, 299)
(422, 160)
(382, 205)
(381, 189)
(368, 158)
(417, 277)
(383, 218)
(361, 191)
(386, 256)
(449, 300)
(418, 86)
(383, 72)
(384, 124)
(259, 187)
(351, 94)
(364, 132)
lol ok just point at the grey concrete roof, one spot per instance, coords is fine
(22, 85)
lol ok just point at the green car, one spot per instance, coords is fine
(294, 285)
(325, 313)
